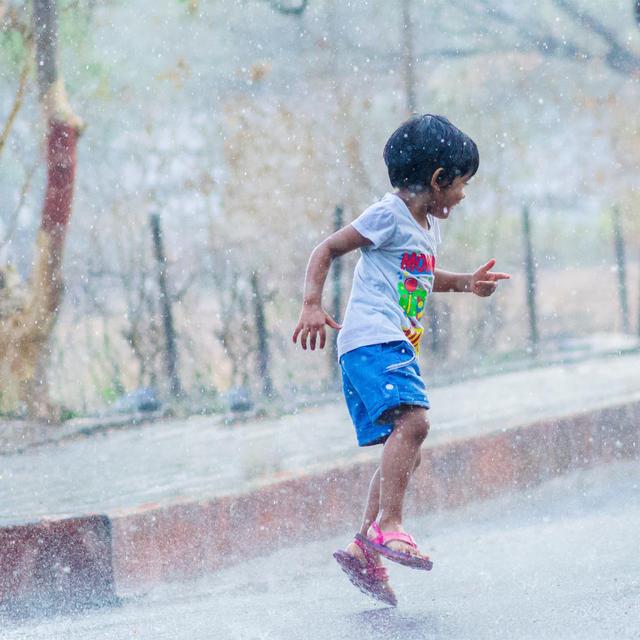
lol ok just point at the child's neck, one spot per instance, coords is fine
(418, 205)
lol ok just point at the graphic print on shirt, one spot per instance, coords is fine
(415, 281)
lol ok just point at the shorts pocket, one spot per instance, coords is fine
(402, 355)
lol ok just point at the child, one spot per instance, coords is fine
(429, 163)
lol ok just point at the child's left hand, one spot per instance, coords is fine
(483, 283)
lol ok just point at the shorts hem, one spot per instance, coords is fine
(415, 402)
(377, 433)
(374, 438)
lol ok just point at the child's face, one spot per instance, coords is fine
(444, 199)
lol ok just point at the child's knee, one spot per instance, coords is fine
(418, 424)
(422, 430)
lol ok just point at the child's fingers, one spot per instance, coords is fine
(296, 332)
(303, 338)
(499, 276)
(485, 288)
(332, 323)
(488, 266)
(323, 337)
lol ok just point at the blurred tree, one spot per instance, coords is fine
(17, 103)
(25, 332)
(408, 57)
(522, 27)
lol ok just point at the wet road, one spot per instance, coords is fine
(560, 561)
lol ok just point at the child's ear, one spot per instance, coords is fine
(434, 182)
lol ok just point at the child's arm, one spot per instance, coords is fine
(481, 282)
(313, 317)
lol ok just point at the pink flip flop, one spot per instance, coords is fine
(372, 579)
(379, 541)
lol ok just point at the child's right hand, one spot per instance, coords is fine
(313, 319)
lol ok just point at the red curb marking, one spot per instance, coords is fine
(56, 566)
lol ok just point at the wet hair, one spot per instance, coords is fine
(423, 144)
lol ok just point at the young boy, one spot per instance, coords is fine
(429, 163)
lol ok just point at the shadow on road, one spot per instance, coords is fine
(391, 624)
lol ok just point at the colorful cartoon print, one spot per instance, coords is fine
(412, 294)
(412, 297)
(414, 335)
(415, 280)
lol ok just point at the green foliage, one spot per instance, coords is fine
(85, 69)
(74, 24)
(190, 5)
(67, 414)
(112, 391)
(12, 50)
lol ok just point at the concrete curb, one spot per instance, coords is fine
(89, 561)
(54, 566)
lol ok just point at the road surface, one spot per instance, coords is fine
(561, 561)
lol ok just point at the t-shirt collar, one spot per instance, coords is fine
(401, 206)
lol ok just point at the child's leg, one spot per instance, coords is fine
(373, 499)
(373, 503)
(370, 513)
(373, 507)
(399, 458)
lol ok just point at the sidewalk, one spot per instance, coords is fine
(166, 461)
(174, 499)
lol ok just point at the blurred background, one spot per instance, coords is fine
(225, 138)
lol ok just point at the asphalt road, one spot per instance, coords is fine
(560, 562)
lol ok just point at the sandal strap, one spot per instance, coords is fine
(382, 537)
(379, 573)
(366, 552)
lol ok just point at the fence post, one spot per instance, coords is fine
(171, 357)
(336, 306)
(263, 337)
(621, 267)
(530, 266)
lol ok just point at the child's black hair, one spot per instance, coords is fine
(423, 144)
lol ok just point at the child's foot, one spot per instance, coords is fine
(365, 572)
(396, 545)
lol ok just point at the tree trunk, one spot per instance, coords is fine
(25, 332)
(408, 58)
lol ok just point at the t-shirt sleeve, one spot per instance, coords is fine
(377, 224)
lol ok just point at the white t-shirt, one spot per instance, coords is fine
(392, 279)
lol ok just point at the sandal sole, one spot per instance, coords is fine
(359, 579)
(405, 559)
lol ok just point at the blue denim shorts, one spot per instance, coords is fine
(377, 378)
